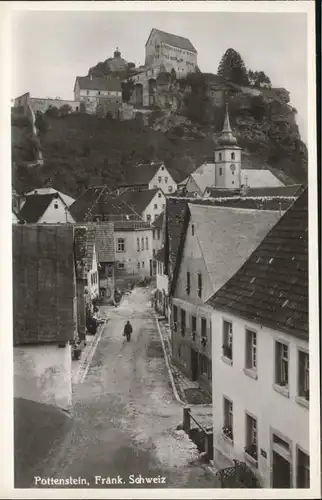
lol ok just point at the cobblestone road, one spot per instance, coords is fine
(125, 415)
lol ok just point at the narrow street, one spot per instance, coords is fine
(125, 415)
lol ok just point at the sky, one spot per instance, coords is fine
(49, 49)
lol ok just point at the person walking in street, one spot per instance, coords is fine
(128, 330)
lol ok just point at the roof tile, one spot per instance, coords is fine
(271, 288)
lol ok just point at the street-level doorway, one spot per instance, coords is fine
(281, 457)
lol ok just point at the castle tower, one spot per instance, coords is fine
(227, 158)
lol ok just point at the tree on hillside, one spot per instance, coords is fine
(232, 68)
(259, 79)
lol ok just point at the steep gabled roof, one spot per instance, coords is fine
(226, 236)
(97, 200)
(36, 205)
(65, 197)
(259, 178)
(271, 288)
(174, 40)
(105, 242)
(174, 218)
(141, 174)
(284, 191)
(43, 283)
(98, 83)
(139, 200)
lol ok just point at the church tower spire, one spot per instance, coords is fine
(227, 137)
(227, 158)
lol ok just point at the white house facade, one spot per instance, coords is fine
(162, 179)
(260, 410)
(260, 358)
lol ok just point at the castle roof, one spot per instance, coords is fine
(174, 40)
(98, 83)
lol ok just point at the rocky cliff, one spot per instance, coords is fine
(81, 149)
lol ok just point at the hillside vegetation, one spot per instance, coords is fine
(80, 149)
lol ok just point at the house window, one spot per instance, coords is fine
(153, 234)
(159, 195)
(228, 419)
(175, 318)
(166, 180)
(142, 264)
(304, 375)
(232, 156)
(139, 265)
(303, 470)
(209, 369)
(251, 437)
(170, 189)
(87, 92)
(220, 171)
(192, 229)
(146, 243)
(148, 217)
(99, 93)
(228, 340)
(193, 327)
(183, 322)
(281, 372)
(220, 157)
(153, 252)
(159, 179)
(155, 206)
(56, 205)
(251, 350)
(142, 243)
(159, 233)
(203, 328)
(199, 285)
(120, 245)
(138, 244)
(203, 364)
(120, 265)
(188, 283)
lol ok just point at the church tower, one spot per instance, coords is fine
(227, 158)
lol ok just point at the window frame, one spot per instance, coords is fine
(200, 285)
(175, 317)
(227, 338)
(183, 322)
(251, 448)
(251, 349)
(188, 282)
(118, 249)
(228, 420)
(306, 383)
(278, 379)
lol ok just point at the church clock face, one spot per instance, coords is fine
(233, 168)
